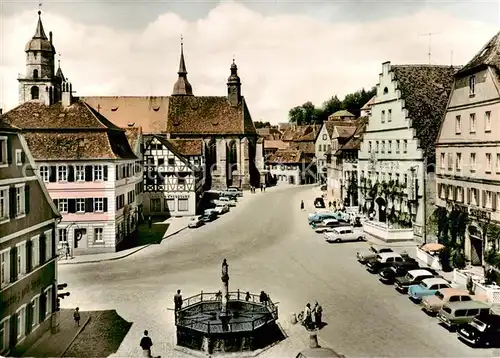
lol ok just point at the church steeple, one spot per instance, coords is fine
(182, 87)
(234, 86)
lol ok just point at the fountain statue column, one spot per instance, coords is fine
(225, 287)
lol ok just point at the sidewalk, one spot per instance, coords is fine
(55, 345)
(176, 225)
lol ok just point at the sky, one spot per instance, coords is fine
(287, 52)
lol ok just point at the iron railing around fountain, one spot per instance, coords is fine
(268, 307)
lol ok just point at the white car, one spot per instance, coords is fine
(343, 234)
(326, 226)
(195, 222)
(226, 200)
(221, 208)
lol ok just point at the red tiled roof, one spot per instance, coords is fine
(331, 124)
(133, 135)
(287, 156)
(187, 147)
(279, 144)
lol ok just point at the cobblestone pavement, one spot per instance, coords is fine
(269, 247)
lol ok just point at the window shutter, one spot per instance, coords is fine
(88, 173)
(56, 203)
(52, 174)
(23, 157)
(445, 188)
(89, 205)
(43, 304)
(42, 249)
(13, 264)
(29, 246)
(455, 193)
(483, 202)
(13, 330)
(27, 198)
(117, 173)
(12, 202)
(105, 204)
(9, 149)
(28, 318)
(71, 173)
(71, 205)
(105, 172)
(468, 195)
(493, 201)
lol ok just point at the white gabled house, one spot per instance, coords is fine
(173, 176)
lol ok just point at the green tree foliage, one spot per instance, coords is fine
(259, 124)
(309, 114)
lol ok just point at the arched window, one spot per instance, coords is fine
(35, 92)
(35, 73)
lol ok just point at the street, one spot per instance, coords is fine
(270, 247)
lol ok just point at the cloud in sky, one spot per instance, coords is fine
(284, 60)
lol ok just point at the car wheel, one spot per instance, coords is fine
(360, 238)
(338, 240)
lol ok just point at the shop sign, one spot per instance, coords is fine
(178, 196)
(480, 214)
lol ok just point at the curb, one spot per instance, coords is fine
(121, 257)
(76, 335)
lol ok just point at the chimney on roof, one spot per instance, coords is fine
(50, 36)
(66, 95)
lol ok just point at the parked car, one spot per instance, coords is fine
(319, 203)
(319, 217)
(397, 269)
(383, 259)
(196, 221)
(483, 331)
(319, 211)
(234, 191)
(372, 252)
(325, 225)
(427, 287)
(433, 304)
(455, 314)
(226, 200)
(209, 215)
(413, 277)
(343, 234)
(221, 208)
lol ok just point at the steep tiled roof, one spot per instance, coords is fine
(345, 131)
(369, 103)
(425, 90)
(269, 133)
(279, 144)
(133, 135)
(306, 147)
(341, 113)
(489, 55)
(354, 142)
(331, 124)
(71, 133)
(303, 133)
(7, 127)
(207, 115)
(169, 145)
(188, 147)
(287, 156)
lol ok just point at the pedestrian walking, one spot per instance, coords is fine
(68, 254)
(178, 300)
(302, 205)
(330, 205)
(264, 186)
(307, 316)
(318, 312)
(247, 296)
(76, 316)
(146, 344)
(261, 187)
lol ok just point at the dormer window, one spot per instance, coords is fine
(472, 85)
(35, 73)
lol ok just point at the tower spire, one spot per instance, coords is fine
(182, 87)
(39, 32)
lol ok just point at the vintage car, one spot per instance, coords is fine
(397, 269)
(226, 200)
(343, 234)
(455, 314)
(209, 215)
(233, 192)
(481, 331)
(319, 217)
(371, 253)
(384, 259)
(433, 304)
(221, 208)
(196, 221)
(413, 277)
(325, 225)
(427, 287)
(319, 203)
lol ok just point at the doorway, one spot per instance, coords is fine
(381, 206)
(80, 236)
(476, 251)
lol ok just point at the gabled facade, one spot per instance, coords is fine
(28, 256)
(397, 152)
(290, 166)
(468, 150)
(173, 176)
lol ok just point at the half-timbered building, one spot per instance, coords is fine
(173, 176)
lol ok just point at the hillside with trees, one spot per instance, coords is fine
(309, 114)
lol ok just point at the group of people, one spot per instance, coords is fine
(312, 316)
(262, 188)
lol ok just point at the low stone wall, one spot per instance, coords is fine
(384, 233)
(430, 260)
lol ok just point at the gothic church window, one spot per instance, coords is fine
(35, 73)
(35, 92)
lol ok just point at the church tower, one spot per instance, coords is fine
(182, 87)
(234, 86)
(39, 82)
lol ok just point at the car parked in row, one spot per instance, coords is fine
(397, 269)
(233, 192)
(382, 260)
(433, 304)
(221, 208)
(364, 256)
(413, 277)
(455, 314)
(427, 287)
(320, 216)
(196, 221)
(325, 225)
(343, 234)
(482, 331)
(209, 215)
(226, 200)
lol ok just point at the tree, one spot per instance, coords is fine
(296, 115)
(259, 124)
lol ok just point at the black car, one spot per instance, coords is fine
(380, 262)
(398, 269)
(481, 332)
(207, 217)
(319, 203)
(413, 277)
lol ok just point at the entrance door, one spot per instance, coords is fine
(476, 252)
(80, 238)
(291, 179)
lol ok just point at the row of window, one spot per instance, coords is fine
(169, 205)
(13, 329)
(170, 161)
(389, 116)
(14, 202)
(281, 167)
(380, 146)
(324, 147)
(80, 206)
(17, 261)
(62, 236)
(473, 123)
(387, 177)
(120, 199)
(446, 161)
(85, 173)
(472, 196)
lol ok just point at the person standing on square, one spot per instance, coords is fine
(146, 344)
(76, 316)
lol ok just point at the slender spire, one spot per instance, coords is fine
(40, 33)
(182, 87)
(59, 72)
